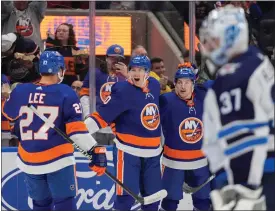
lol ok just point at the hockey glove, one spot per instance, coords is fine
(99, 160)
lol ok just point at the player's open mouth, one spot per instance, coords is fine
(137, 79)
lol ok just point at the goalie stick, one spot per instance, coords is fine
(143, 200)
(191, 190)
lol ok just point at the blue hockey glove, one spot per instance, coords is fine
(99, 160)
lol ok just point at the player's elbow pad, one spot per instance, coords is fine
(91, 125)
(84, 141)
(85, 102)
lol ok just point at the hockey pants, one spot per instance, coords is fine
(141, 175)
(172, 181)
(53, 191)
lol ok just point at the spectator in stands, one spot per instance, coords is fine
(5, 123)
(122, 5)
(139, 50)
(64, 42)
(23, 17)
(76, 86)
(60, 4)
(158, 70)
(20, 57)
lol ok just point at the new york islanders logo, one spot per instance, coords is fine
(117, 50)
(105, 91)
(149, 116)
(191, 130)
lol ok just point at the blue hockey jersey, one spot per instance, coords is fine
(134, 118)
(183, 130)
(41, 149)
(237, 111)
(104, 82)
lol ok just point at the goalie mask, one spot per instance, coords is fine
(223, 35)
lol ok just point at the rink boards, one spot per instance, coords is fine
(94, 193)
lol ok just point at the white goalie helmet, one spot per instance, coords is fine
(224, 34)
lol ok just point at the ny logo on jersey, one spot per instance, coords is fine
(105, 91)
(191, 130)
(149, 116)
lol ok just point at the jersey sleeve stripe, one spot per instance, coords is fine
(183, 154)
(242, 146)
(84, 92)
(138, 141)
(75, 127)
(101, 122)
(238, 127)
(46, 155)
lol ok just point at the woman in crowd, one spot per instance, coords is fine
(64, 41)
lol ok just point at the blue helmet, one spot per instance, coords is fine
(140, 61)
(51, 62)
(185, 71)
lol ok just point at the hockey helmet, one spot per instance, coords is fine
(51, 62)
(140, 61)
(223, 34)
(185, 70)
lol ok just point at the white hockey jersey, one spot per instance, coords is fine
(237, 112)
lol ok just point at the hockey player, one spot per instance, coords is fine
(132, 111)
(110, 72)
(44, 156)
(237, 109)
(183, 160)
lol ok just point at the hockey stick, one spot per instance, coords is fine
(191, 190)
(143, 200)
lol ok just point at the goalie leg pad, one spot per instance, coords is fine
(238, 197)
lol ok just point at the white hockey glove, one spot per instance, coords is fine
(238, 197)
